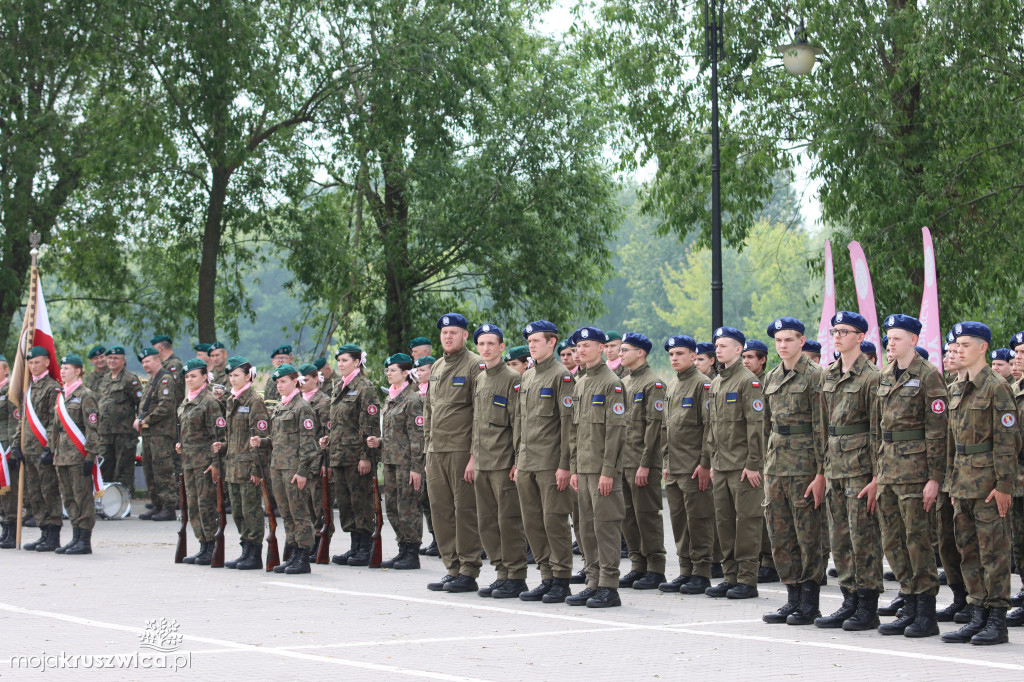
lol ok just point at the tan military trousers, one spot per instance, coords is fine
(739, 517)
(643, 526)
(546, 511)
(601, 530)
(453, 511)
(500, 523)
(692, 512)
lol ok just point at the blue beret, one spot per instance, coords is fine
(755, 345)
(282, 350)
(71, 359)
(638, 341)
(589, 334)
(836, 354)
(950, 337)
(144, 353)
(1017, 340)
(488, 329)
(785, 323)
(452, 320)
(922, 352)
(730, 333)
(1004, 354)
(885, 342)
(283, 371)
(977, 329)
(868, 348)
(682, 341)
(945, 348)
(812, 347)
(853, 319)
(904, 322)
(539, 326)
(705, 348)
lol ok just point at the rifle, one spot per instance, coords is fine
(149, 397)
(273, 554)
(182, 549)
(222, 521)
(378, 516)
(323, 549)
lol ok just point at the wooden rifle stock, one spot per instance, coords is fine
(323, 548)
(222, 521)
(182, 549)
(378, 517)
(273, 553)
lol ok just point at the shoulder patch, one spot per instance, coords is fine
(371, 409)
(755, 384)
(167, 391)
(135, 383)
(483, 365)
(567, 401)
(757, 405)
(658, 384)
(618, 408)
(1008, 420)
(93, 418)
(659, 405)
(419, 420)
(221, 423)
(308, 424)
(618, 389)
(261, 425)
(938, 406)
(707, 386)
(516, 388)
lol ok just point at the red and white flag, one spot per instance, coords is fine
(931, 330)
(78, 440)
(5, 472)
(828, 309)
(35, 331)
(865, 296)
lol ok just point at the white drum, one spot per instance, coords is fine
(114, 502)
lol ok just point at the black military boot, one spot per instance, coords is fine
(301, 563)
(907, 617)
(719, 590)
(462, 583)
(254, 558)
(1018, 599)
(605, 597)
(245, 554)
(965, 615)
(579, 577)
(925, 624)
(510, 589)
(979, 617)
(630, 578)
(558, 593)
(390, 563)
(191, 559)
(51, 541)
(5, 532)
(894, 606)
(31, 546)
(362, 555)
(716, 571)
(411, 560)
(84, 544)
(342, 559)
(697, 584)
(537, 593)
(489, 590)
(290, 551)
(808, 609)
(10, 539)
(742, 591)
(782, 613)
(74, 539)
(431, 549)
(994, 631)
(313, 550)
(1015, 618)
(767, 574)
(674, 584)
(866, 615)
(580, 598)
(438, 586)
(165, 515)
(845, 610)
(890, 576)
(650, 581)
(205, 556)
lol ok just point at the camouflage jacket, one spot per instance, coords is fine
(984, 440)
(448, 407)
(8, 420)
(270, 389)
(246, 416)
(202, 424)
(848, 411)
(645, 413)
(95, 379)
(293, 437)
(82, 409)
(736, 408)
(545, 415)
(402, 440)
(910, 427)
(792, 401)
(321, 404)
(354, 417)
(172, 366)
(119, 400)
(44, 400)
(599, 424)
(494, 400)
(161, 417)
(220, 376)
(686, 423)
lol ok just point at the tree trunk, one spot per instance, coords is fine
(397, 276)
(206, 303)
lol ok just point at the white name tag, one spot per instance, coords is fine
(913, 382)
(74, 400)
(243, 409)
(353, 393)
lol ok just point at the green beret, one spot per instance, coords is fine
(193, 364)
(146, 352)
(283, 371)
(397, 359)
(202, 348)
(234, 362)
(72, 359)
(517, 353)
(419, 341)
(160, 338)
(348, 348)
(613, 335)
(320, 363)
(563, 345)
(3, 359)
(282, 350)
(307, 368)
(37, 352)
(96, 351)
(425, 360)
(216, 345)
(115, 350)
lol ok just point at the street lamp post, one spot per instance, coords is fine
(713, 49)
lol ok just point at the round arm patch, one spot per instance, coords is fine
(308, 424)
(618, 408)
(419, 421)
(261, 425)
(938, 406)
(221, 422)
(1008, 420)
(371, 409)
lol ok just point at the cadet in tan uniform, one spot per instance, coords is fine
(643, 526)
(75, 444)
(567, 355)
(98, 359)
(421, 366)
(157, 423)
(705, 359)
(541, 470)
(599, 432)
(119, 395)
(282, 355)
(448, 436)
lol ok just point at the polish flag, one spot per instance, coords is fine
(35, 331)
(43, 336)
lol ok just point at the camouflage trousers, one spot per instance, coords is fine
(601, 530)
(692, 513)
(42, 492)
(247, 510)
(946, 540)
(854, 535)
(403, 504)
(983, 538)
(795, 527)
(76, 489)
(201, 494)
(500, 522)
(291, 502)
(906, 537)
(765, 558)
(354, 496)
(545, 512)
(9, 501)
(643, 527)
(739, 516)
(161, 464)
(1017, 518)
(118, 452)
(315, 499)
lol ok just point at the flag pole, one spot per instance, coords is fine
(29, 326)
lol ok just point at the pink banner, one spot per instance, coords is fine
(865, 294)
(828, 308)
(931, 330)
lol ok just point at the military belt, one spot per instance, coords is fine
(897, 436)
(849, 429)
(973, 449)
(791, 430)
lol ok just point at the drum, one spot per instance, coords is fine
(114, 502)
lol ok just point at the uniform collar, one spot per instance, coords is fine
(727, 372)
(686, 373)
(640, 371)
(547, 362)
(986, 374)
(459, 353)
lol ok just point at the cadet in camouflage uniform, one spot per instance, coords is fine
(218, 363)
(354, 417)
(755, 359)
(794, 477)
(499, 519)
(42, 492)
(75, 460)
(321, 405)
(244, 467)
(172, 364)
(420, 348)
(848, 391)
(98, 359)
(282, 355)
(1016, 617)
(157, 422)
(294, 453)
(119, 395)
(421, 366)
(643, 526)
(330, 377)
(982, 469)
(448, 435)
(911, 433)
(401, 445)
(9, 497)
(544, 433)
(202, 425)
